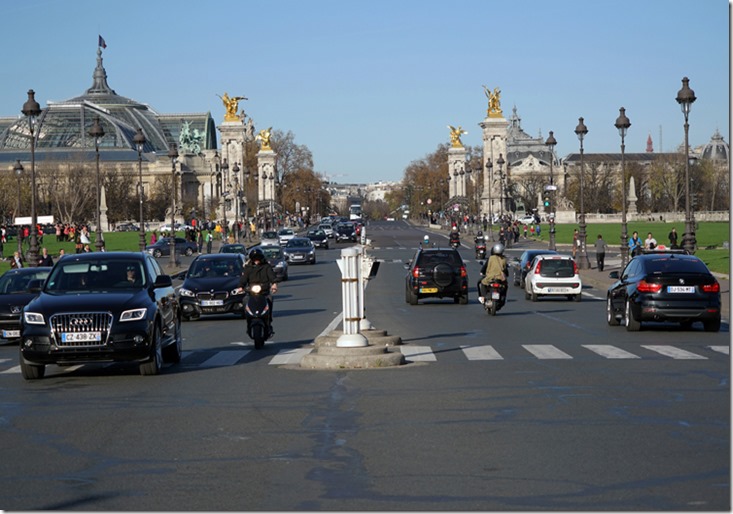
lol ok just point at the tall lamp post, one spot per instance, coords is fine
(173, 155)
(581, 130)
(139, 140)
(97, 133)
(551, 142)
(224, 181)
(31, 110)
(686, 97)
(500, 161)
(18, 169)
(235, 171)
(623, 124)
(489, 171)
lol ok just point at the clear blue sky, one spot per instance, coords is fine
(371, 85)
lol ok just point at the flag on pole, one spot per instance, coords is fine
(102, 43)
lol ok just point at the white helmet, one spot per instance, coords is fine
(497, 249)
(426, 238)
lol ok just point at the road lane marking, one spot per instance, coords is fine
(671, 351)
(721, 349)
(226, 358)
(418, 353)
(546, 351)
(293, 356)
(610, 352)
(481, 353)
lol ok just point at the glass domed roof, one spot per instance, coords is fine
(717, 149)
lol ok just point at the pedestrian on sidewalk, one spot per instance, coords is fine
(209, 239)
(576, 242)
(601, 247)
(650, 243)
(635, 244)
(673, 239)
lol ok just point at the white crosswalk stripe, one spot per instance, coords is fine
(721, 349)
(418, 353)
(546, 351)
(224, 358)
(671, 351)
(481, 353)
(293, 356)
(610, 352)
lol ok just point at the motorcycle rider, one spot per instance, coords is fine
(258, 271)
(494, 270)
(455, 237)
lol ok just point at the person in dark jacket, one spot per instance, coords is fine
(45, 259)
(259, 271)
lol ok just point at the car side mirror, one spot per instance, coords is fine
(163, 281)
(614, 275)
(180, 275)
(35, 285)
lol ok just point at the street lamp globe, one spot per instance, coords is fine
(623, 124)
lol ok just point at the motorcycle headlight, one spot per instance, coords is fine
(256, 289)
(33, 318)
(133, 314)
(186, 292)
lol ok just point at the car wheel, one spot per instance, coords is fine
(712, 325)
(31, 371)
(516, 279)
(411, 297)
(533, 297)
(578, 297)
(157, 254)
(463, 300)
(631, 324)
(610, 315)
(155, 362)
(527, 296)
(172, 352)
(189, 252)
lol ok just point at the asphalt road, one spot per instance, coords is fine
(543, 407)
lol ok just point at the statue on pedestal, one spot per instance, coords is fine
(231, 104)
(455, 136)
(494, 110)
(264, 137)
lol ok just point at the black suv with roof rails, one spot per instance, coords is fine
(436, 273)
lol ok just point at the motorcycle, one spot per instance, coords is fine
(480, 250)
(257, 314)
(495, 297)
(455, 242)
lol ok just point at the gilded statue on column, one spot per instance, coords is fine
(264, 137)
(455, 136)
(231, 104)
(494, 110)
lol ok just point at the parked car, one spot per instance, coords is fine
(300, 249)
(284, 235)
(166, 227)
(102, 307)
(233, 248)
(127, 227)
(520, 266)
(276, 257)
(664, 286)
(269, 237)
(319, 238)
(553, 275)
(17, 288)
(209, 286)
(436, 273)
(345, 233)
(163, 247)
(527, 219)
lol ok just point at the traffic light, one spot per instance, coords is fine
(546, 201)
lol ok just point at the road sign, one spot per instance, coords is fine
(550, 187)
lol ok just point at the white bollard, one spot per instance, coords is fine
(350, 264)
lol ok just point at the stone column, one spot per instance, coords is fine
(494, 143)
(457, 171)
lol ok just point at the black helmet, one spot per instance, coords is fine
(257, 255)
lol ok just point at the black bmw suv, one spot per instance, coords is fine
(436, 273)
(102, 307)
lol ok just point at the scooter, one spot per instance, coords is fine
(495, 297)
(257, 313)
(480, 250)
(455, 242)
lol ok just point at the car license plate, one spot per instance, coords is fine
(428, 289)
(558, 290)
(73, 337)
(680, 289)
(495, 296)
(7, 334)
(211, 303)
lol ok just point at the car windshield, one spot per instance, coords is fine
(206, 268)
(432, 258)
(11, 283)
(668, 264)
(299, 243)
(557, 268)
(316, 233)
(96, 275)
(269, 235)
(286, 232)
(272, 253)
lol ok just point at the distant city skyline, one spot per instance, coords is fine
(370, 87)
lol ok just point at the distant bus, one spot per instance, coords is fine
(355, 211)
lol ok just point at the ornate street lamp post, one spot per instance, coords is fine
(583, 263)
(31, 110)
(139, 140)
(489, 170)
(500, 161)
(97, 133)
(18, 169)
(686, 97)
(235, 171)
(173, 155)
(551, 142)
(623, 124)
(225, 180)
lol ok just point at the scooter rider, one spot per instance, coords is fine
(495, 269)
(455, 237)
(479, 238)
(258, 271)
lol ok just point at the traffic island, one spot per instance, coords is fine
(376, 354)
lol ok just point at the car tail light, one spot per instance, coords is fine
(648, 287)
(538, 268)
(416, 272)
(711, 288)
(463, 272)
(575, 268)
